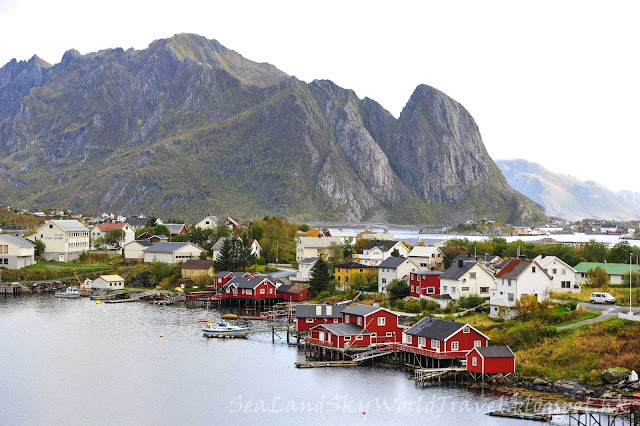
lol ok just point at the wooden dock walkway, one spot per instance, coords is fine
(426, 374)
(319, 364)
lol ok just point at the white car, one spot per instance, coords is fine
(602, 298)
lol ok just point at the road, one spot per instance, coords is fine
(283, 273)
(608, 311)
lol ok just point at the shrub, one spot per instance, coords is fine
(468, 302)
(412, 306)
(572, 305)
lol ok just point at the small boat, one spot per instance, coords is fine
(230, 316)
(223, 329)
(69, 293)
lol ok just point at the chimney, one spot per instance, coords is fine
(543, 254)
(460, 263)
(329, 309)
(522, 257)
(319, 310)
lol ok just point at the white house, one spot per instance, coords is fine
(426, 257)
(256, 250)
(134, 250)
(15, 252)
(110, 282)
(343, 233)
(304, 267)
(394, 268)
(563, 276)
(209, 222)
(466, 279)
(172, 253)
(518, 278)
(307, 247)
(64, 240)
(101, 229)
(377, 251)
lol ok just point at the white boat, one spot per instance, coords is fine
(69, 293)
(224, 329)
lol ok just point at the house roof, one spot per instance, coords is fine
(137, 222)
(106, 227)
(111, 278)
(351, 265)
(284, 288)
(455, 272)
(495, 352)
(70, 225)
(213, 218)
(445, 296)
(514, 268)
(384, 245)
(222, 274)
(308, 260)
(309, 311)
(175, 228)
(296, 289)
(426, 272)
(392, 262)
(218, 244)
(198, 264)
(423, 251)
(433, 328)
(432, 242)
(318, 242)
(610, 268)
(18, 241)
(503, 264)
(165, 247)
(361, 310)
(344, 329)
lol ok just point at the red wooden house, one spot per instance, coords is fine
(339, 335)
(224, 277)
(293, 293)
(250, 288)
(424, 283)
(438, 338)
(308, 316)
(361, 325)
(491, 360)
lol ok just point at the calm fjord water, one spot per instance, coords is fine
(75, 362)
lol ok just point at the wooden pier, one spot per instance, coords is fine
(12, 288)
(320, 364)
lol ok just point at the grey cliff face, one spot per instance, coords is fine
(188, 125)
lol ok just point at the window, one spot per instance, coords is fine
(533, 269)
(346, 318)
(346, 279)
(435, 344)
(347, 338)
(381, 320)
(453, 290)
(412, 289)
(484, 290)
(563, 271)
(554, 271)
(359, 320)
(511, 297)
(361, 270)
(565, 284)
(454, 346)
(358, 337)
(422, 341)
(384, 280)
(262, 291)
(408, 338)
(509, 283)
(477, 344)
(444, 288)
(338, 269)
(389, 334)
(474, 361)
(338, 277)
(309, 320)
(472, 275)
(466, 329)
(335, 320)
(50, 226)
(464, 289)
(431, 290)
(251, 291)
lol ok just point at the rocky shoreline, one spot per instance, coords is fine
(46, 287)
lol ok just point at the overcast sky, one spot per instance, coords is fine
(553, 82)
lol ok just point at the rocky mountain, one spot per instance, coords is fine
(564, 195)
(188, 127)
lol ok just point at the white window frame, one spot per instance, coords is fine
(359, 321)
(474, 361)
(262, 291)
(389, 334)
(477, 343)
(422, 341)
(309, 321)
(466, 329)
(435, 344)
(346, 318)
(381, 321)
(454, 346)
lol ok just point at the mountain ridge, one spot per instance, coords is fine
(187, 127)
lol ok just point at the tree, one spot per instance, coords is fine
(39, 247)
(319, 276)
(336, 254)
(593, 251)
(304, 227)
(151, 222)
(619, 253)
(597, 277)
(114, 237)
(99, 243)
(451, 253)
(204, 255)
(225, 259)
(161, 230)
(395, 253)
(398, 289)
(181, 238)
(526, 306)
(235, 254)
(347, 249)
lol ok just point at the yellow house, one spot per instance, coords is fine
(345, 271)
(195, 269)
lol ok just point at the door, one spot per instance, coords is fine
(61, 258)
(321, 336)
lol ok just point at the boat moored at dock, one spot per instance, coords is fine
(224, 329)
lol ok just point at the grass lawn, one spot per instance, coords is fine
(583, 316)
